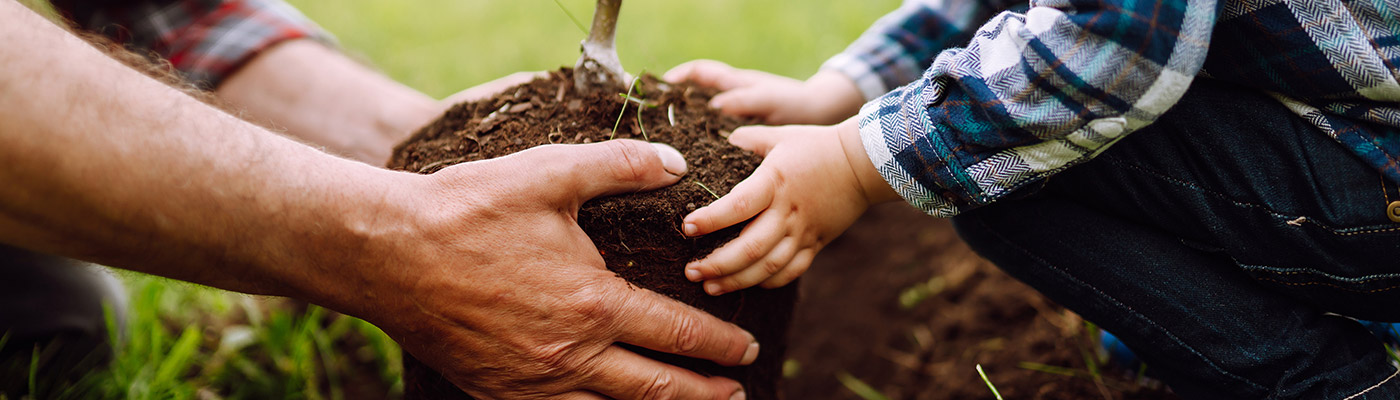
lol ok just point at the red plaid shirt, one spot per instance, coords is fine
(205, 40)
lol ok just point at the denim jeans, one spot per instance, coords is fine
(52, 308)
(1227, 245)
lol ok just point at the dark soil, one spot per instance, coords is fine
(851, 321)
(639, 234)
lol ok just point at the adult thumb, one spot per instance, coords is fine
(612, 167)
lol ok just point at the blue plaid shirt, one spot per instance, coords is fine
(985, 111)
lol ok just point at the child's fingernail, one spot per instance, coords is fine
(692, 274)
(738, 395)
(671, 159)
(690, 229)
(715, 104)
(712, 288)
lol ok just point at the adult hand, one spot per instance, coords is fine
(498, 288)
(479, 270)
(488, 89)
(826, 98)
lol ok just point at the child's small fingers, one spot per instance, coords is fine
(752, 274)
(795, 268)
(761, 237)
(708, 73)
(756, 138)
(751, 100)
(748, 198)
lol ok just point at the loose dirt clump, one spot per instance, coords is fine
(638, 235)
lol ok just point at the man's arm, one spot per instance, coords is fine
(479, 269)
(272, 66)
(324, 98)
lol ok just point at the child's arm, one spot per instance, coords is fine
(813, 183)
(893, 51)
(826, 98)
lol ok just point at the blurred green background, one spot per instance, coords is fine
(186, 341)
(442, 46)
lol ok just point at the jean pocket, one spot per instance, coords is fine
(1340, 290)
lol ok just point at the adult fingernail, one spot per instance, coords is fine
(750, 354)
(690, 229)
(715, 104)
(692, 274)
(671, 159)
(738, 395)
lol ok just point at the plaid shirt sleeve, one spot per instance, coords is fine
(899, 46)
(1031, 95)
(205, 40)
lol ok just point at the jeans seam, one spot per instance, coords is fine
(1310, 271)
(1373, 387)
(1266, 269)
(1222, 196)
(1120, 305)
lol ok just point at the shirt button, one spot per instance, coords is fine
(1393, 211)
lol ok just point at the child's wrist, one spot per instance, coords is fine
(838, 96)
(873, 186)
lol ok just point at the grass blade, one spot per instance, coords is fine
(180, 356)
(988, 382)
(571, 17)
(1049, 369)
(707, 189)
(34, 372)
(630, 86)
(859, 387)
(639, 124)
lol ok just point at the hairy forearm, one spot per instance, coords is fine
(105, 164)
(324, 98)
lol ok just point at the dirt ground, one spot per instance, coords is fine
(851, 320)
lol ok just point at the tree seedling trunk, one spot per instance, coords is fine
(598, 66)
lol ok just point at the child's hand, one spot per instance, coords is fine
(813, 184)
(825, 98)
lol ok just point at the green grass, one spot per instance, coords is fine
(187, 341)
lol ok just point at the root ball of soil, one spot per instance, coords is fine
(638, 235)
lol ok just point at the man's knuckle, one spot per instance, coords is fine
(687, 337)
(633, 162)
(593, 304)
(553, 360)
(662, 386)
